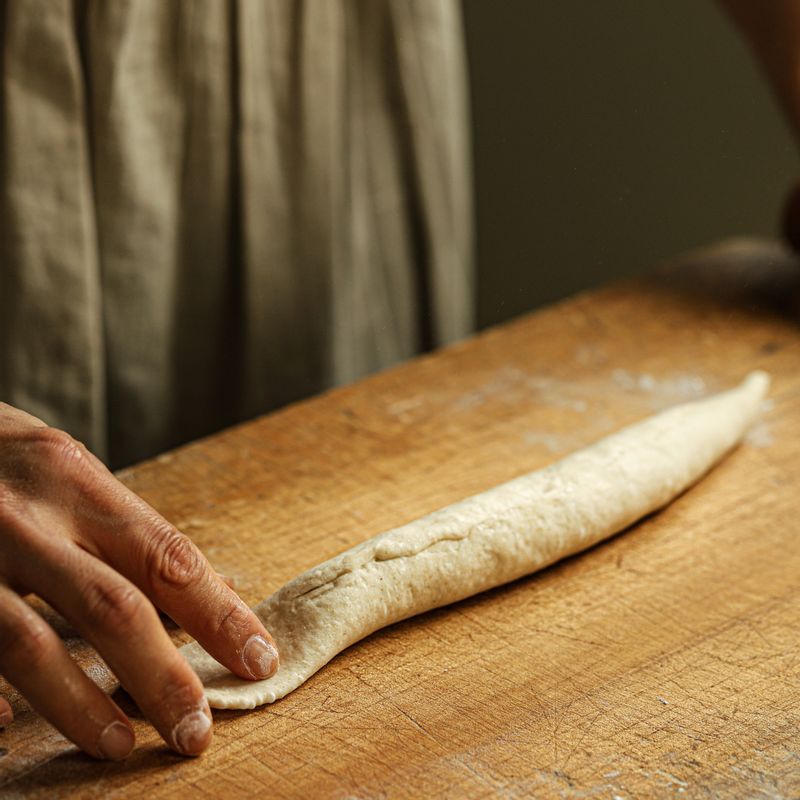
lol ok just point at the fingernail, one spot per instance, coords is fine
(260, 657)
(116, 741)
(191, 734)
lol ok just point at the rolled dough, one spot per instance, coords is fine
(486, 540)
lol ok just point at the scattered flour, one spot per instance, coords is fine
(663, 391)
(510, 384)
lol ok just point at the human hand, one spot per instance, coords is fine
(71, 533)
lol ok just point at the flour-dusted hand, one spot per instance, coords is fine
(74, 535)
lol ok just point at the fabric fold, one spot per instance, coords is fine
(212, 209)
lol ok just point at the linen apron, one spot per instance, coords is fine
(209, 209)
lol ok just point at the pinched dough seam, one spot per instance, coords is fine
(329, 584)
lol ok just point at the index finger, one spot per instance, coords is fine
(168, 567)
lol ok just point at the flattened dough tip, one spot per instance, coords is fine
(758, 382)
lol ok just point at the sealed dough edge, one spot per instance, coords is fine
(486, 540)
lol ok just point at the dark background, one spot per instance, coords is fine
(609, 136)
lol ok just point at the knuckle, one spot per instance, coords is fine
(120, 606)
(26, 642)
(50, 438)
(172, 557)
(59, 447)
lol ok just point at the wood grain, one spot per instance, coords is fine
(663, 663)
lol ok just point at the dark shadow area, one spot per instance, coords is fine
(73, 770)
(760, 277)
(609, 137)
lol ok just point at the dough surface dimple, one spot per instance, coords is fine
(486, 540)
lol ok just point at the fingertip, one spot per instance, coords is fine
(193, 733)
(260, 656)
(116, 741)
(240, 642)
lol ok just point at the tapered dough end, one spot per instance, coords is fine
(757, 383)
(751, 393)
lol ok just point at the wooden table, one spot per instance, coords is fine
(663, 663)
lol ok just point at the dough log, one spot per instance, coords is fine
(486, 540)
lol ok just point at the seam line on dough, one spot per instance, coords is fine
(377, 558)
